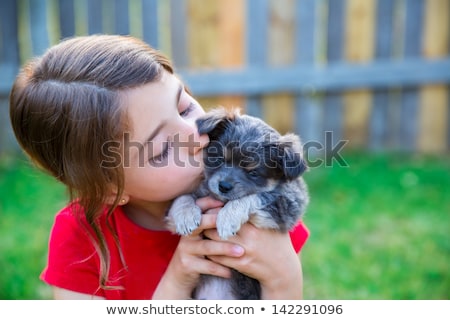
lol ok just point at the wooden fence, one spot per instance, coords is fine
(374, 72)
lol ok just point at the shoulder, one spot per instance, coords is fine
(71, 228)
(69, 223)
(70, 233)
(72, 219)
(72, 262)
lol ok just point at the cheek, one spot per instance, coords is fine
(162, 183)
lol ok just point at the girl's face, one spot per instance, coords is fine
(162, 154)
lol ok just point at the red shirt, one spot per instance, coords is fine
(73, 263)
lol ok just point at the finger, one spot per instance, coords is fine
(213, 211)
(205, 266)
(212, 234)
(206, 247)
(208, 203)
(240, 264)
(208, 222)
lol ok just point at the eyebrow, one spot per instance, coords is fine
(179, 91)
(163, 123)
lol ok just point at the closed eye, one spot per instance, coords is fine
(188, 110)
(163, 155)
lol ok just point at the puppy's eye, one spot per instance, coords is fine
(252, 173)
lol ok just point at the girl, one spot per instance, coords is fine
(99, 113)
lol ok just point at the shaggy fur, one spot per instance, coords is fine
(256, 172)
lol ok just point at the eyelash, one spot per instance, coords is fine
(188, 110)
(162, 155)
(166, 149)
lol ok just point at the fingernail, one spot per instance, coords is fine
(238, 250)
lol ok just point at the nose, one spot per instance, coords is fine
(203, 141)
(225, 186)
(193, 140)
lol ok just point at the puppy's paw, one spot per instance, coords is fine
(184, 216)
(228, 222)
(189, 220)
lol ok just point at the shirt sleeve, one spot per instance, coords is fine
(299, 235)
(72, 263)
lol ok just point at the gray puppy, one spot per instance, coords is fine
(256, 172)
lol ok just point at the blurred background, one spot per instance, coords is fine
(364, 82)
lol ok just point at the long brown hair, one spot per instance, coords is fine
(65, 105)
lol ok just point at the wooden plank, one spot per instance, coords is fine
(150, 22)
(256, 39)
(333, 109)
(433, 107)
(359, 48)
(278, 109)
(231, 24)
(9, 64)
(66, 18)
(408, 127)
(38, 26)
(307, 109)
(203, 33)
(448, 118)
(9, 48)
(379, 129)
(179, 28)
(203, 39)
(121, 17)
(257, 32)
(95, 16)
(338, 76)
(433, 115)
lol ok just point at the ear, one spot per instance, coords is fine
(290, 158)
(215, 122)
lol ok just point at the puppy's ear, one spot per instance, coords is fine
(290, 156)
(215, 122)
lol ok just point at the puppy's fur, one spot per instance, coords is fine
(256, 172)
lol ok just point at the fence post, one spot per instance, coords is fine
(178, 23)
(408, 127)
(38, 24)
(9, 65)
(66, 18)
(307, 107)
(433, 107)
(359, 41)
(256, 42)
(150, 23)
(95, 16)
(333, 111)
(121, 17)
(379, 120)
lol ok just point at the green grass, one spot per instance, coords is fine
(29, 199)
(379, 228)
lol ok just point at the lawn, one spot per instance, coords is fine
(379, 228)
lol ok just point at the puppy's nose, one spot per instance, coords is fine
(225, 186)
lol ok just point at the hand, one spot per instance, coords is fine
(189, 261)
(269, 257)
